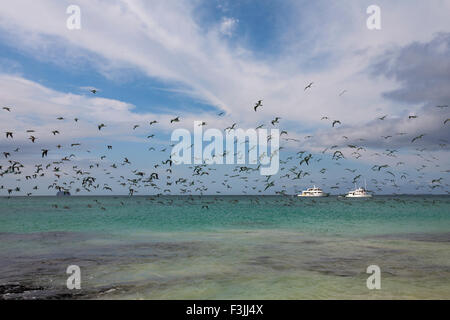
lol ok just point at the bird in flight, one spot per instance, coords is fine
(231, 128)
(100, 126)
(258, 104)
(336, 122)
(93, 91)
(268, 185)
(9, 134)
(275, 120)
(7, 109)
(340, 94)
(416, 138)
(177, 119)
(153, 122)
(383, 117)
(309, 86)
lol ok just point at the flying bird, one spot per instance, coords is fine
(336, 122)
(418, 137)
(232, 127)
(308, 86)
(275, 120)
(258, 104)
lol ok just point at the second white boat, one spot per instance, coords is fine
(359, 193)
(313, 192)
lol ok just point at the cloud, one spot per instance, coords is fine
(36, 107)
(391, 133)
(164, 41)
(227, 26)
(421, 68)
(422, 74)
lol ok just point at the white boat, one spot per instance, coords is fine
(359, 193)
(313, 192)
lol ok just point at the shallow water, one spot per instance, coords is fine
(237, 248)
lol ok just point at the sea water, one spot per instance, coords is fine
(225, 247)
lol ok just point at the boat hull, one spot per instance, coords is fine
(314, 195)
(359, 196)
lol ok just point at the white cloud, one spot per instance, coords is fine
(228, 25)
(165, 41)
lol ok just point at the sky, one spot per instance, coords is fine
(157, 60)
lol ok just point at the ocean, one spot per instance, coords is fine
(225, 247)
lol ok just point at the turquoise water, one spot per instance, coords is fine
(229, 247)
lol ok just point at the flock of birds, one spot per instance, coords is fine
(295, 169)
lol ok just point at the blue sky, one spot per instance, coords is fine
(153, 61)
